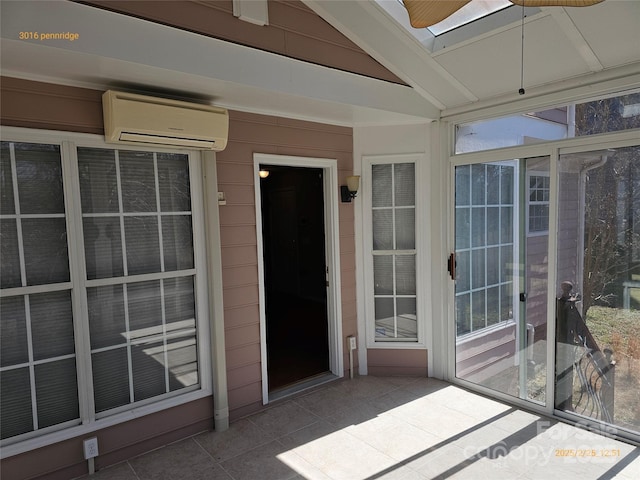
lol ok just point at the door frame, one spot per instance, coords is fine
(332, 253)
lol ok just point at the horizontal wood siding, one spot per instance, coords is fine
(65, 459)
(249, 134)
(391, 362)
(294, 30)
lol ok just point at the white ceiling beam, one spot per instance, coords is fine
(371, 28)
(562, 18)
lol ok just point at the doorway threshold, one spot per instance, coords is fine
(301, 386)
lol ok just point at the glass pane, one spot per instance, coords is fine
(45, 262)
(493, 225)
(381, 189)
(463, 185)
(13, 327)
(407, 325)
(56, 392)
(478, 184)
(405, 184)
(145, 312)
(143, 245)
(182, 356)
(598, 290)
(493, 266)
(137, 176)
(15, 398)
(384, 317)
(51, 324)
(177, 242)
(148, 366)
(103, 247)
(478, 268)
(493, 306)
(493, 184)
(478, 227)
(173, 180)
(463, 230)
(506, 225)
(98, 180)
(506, 181)
(179, 301)
(383, 275)
(478, 316)
(7, 204)
(463, 314)
(10, 275)
(110, 379)
(405, 229)
(463, 271)
(405, 274)
(39, 173)
(383, 229)
(107, 325)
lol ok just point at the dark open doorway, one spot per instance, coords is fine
(293, 229)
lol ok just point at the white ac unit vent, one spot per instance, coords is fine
(139, 119)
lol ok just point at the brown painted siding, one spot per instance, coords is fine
(249, 134)
(117, 443)
(294, 30)
(48, 106)
(390, 362)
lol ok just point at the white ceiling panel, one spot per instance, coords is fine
(491, 66)
(611, 29)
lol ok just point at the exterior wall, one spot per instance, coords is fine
(294, 30)
(394, 362)
(55, 107)
(249, 134)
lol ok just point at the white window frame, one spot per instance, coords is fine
(422, 246)
(536, 173)
(89, 421)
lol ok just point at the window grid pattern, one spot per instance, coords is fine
(538, 209)
(394, 252)
(484, 235)
(35, 296)
(148, 354)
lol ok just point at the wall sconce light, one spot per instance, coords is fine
(263, 173)
(350, 190)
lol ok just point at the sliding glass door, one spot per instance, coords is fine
(501, 238)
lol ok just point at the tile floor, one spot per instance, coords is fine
(372, 428)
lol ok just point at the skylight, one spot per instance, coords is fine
(473, 10)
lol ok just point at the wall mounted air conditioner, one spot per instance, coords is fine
(142, 120)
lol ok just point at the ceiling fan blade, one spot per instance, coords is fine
(424, 13)
(556, 3)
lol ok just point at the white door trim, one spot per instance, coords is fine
(332, 246)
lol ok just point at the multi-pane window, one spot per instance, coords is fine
(538, 204)
(135, 279)
(394, 251)
(38, 358)
(484, 245)
(136, 217)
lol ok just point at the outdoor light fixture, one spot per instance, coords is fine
(263, 173)
(350, 190)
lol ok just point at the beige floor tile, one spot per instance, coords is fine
(399, 440)
(184, 460)
(120, 471)
(308, 434)
(284, 418)
(260, 463)
(241, 437)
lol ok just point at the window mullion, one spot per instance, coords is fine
(16, 202)
(123, 239)
(32, 373)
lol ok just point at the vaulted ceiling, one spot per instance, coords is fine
(480, 63)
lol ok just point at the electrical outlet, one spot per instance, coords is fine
(352, 343)
(90, 448)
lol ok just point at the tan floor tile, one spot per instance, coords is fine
(184, 460)
(241, 437)
(284, 418)
(120, 471)
(260, 463)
